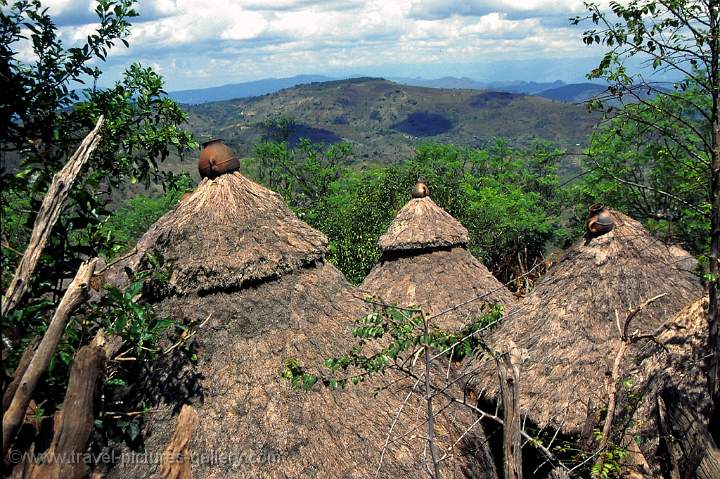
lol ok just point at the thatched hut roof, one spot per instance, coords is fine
(568, 323)
(671, 370)
(229, 232)
(257, 282)
(420, 225)
(425, 263)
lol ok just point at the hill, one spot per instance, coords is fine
(242, 90)
(574, 93)
(527, 87)
(384, 121)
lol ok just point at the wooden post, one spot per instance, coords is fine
(428, 399)
(47, 217)
(74, 424)
(74, 296)
(693, 446)
(19, 372)
(175, 462)
(509, 373)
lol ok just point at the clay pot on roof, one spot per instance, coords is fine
(216, 158)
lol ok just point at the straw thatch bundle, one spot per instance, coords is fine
(425, 262)
(674, 405)
(422, 225)
(230, 232)
(253, 275)
(568, 323)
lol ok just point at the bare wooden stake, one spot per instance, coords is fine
(434, 454)
(175, 462)
(626, 339)
(75, 424)
(669, 439)
(47, 217)
(74, 296)
(509, 373)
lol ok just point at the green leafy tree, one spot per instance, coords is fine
(132, 218)
(680, 38)
(50, 101)
(638, 170)
(49, 114)
(506, 197)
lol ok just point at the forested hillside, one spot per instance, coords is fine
(385, 121)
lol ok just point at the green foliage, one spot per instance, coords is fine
(121, 312)
(675, 35)
(394, 335)
(507, 198)
(47, 117)
(132, 218)
(664, 139)
(125, 313)
(50, 102)
(633, 166)
(122, 315)
(303, 174)
(609, 463)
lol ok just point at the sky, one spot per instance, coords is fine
(202, 43)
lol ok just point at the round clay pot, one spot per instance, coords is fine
(215, 159)
(601, 220)
(420, 190)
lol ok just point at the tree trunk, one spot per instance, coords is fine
(74, 424)
(47, 217)
(508, 370)
(428, 399)
(695, 451)
(74, 296)
(714, 309)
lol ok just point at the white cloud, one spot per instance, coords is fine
(205, 42)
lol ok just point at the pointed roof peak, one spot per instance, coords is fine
(420, 225)
(229, 232)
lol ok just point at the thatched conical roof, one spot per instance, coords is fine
(229, 232)
(672, 375)
(420, 225)
(264, 294)
(425, 263)
(568, 326)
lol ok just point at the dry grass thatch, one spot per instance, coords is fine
(567, 323)
(672, 370)
(229, 232)
(425, 263)
(422, 224)
(251, 423)
(437, 280)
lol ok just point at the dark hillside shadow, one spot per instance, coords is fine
(493, 98)
(424, 124)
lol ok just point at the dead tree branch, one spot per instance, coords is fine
(73, 297)
(20, 371)
(625, 342)
(175, 461)
(74, 424)
(429, 399)
(47, 217)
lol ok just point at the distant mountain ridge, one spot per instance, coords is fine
(557, 90)
(384, 121)
(576, 92)
(242, 90)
